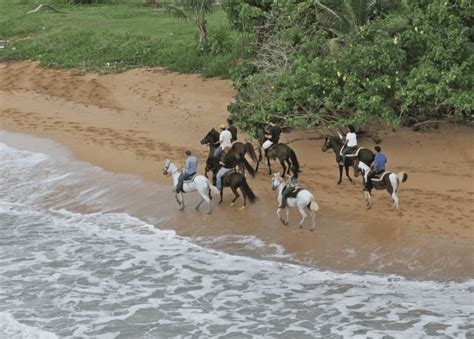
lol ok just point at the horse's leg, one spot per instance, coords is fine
(222, 193)
(245, 198)
(346, 165)
(313, 218)
(199, 204)
(269, 166)
(289, 166)
(279, 217)
(260, 157)
(340, 175)
(287, 215)
(282, 162)
(180, 198)
(303, 214)
(236, 195)
(368, 199)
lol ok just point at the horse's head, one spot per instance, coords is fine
(331, 142)
(327, 144)
(211, 137)
(276, 180)
(169, 168)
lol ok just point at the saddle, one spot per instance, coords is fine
(294, 193)
(379, 177)
(354, 153)
(190, 179)
(233, 170)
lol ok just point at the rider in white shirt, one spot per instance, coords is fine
(350, 144)
(225, 140)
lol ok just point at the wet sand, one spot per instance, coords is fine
(132, 122)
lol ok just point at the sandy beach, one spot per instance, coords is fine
(132, 122)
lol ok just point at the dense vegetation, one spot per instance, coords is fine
(308, 62)
(334, 62)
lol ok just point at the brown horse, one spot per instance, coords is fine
(239, 149)
(284, 153)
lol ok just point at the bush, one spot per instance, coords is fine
(402, 68)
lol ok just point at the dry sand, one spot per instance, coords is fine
(132, 122)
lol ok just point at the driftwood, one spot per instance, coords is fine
(40, 7)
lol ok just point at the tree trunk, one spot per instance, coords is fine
(151, 3)
(202, 29)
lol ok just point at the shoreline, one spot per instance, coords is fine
(138, 119)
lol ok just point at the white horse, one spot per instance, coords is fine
(200, 184)
(303, 199)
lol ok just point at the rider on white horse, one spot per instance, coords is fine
(190, 169)
(290, 187)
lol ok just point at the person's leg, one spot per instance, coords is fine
(218, 151)
(219, 178)
(284, 194)
(368, 184)
(179, 187)
(343, 156)
(266, 145)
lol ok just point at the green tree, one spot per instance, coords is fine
(200, 8)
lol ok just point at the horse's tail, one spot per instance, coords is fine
(402, 177)
(249, 149)
(212, 188)
(248, 191)
(313, 205)
(294, 160)
(248, 167)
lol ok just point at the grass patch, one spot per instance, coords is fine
(112, 38)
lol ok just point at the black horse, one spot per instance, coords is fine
(233, 180)
(362, 154)
(282, 152)
(239, 149)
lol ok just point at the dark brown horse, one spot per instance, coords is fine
(284, 153)
(362, 154)
(239, 149)
(233, 180)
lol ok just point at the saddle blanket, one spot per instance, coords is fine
(349, 155)
(294, 193)
(380, 176)
(190, 179)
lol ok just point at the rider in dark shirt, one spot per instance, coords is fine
(272, 135)
(232, 129)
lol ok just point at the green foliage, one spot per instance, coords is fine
(406, 66)
(113, 38)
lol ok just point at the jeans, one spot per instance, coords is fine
(219, 176)
(287, 190)
(346, 150)
(217, 152)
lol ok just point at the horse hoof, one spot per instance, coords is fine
(231, 204)
(220, 202)
(301, 227)
(243, 207)
(338, 182)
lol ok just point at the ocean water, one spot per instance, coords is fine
(75, 263)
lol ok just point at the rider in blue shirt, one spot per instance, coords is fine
(190, 168)
(378, 167)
